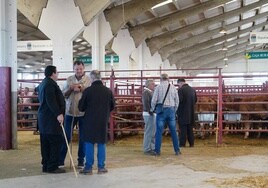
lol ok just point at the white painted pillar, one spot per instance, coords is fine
(8, 54)
(123, 46)
(61, 21)
(98, 34)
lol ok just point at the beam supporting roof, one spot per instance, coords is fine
(147, 30)
(214, 55)
(157, 42)
(118, 16)
(32, 10)
(195, 56)
(188, 51)
(90, 8)
(167, 50)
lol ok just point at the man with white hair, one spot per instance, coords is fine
(97, 102)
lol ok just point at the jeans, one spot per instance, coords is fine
(149, 133)
(168, 116)
(69, 131)
(101, 155)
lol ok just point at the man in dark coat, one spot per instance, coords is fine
(50, 117)
(185, 112)
(97, 102)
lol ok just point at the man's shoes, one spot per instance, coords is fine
(61, 166)
(102, 170)
(150, 152)
(44, 170)
(36, 133)
(57, 171)
(86, 172)
(80, 165)
(154, 153)
(178, 153)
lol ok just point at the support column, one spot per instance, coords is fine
(98, 34)
(123, 45)
(8, 58)
(61, 21)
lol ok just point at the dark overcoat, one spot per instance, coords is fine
(52, 104)
(97, 102)
(188, 98)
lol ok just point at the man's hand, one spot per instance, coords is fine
(76, 87)
(60, 118)
(151, 113)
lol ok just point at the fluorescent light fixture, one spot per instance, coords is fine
(225, 59)
(223, 31)
(161, 4)
(224, 48)
(27, 66)
(226, 64)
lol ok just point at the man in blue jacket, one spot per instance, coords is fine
(50, 118)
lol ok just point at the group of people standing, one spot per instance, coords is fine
(85, 102)
(161, 104)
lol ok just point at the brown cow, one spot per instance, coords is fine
(206, 107)
(234, 119)
(249, 106)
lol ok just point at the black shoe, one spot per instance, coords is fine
(44, 170)
(57, 171)
(155, 154)
(150, 152)
(178, 153)
(86, 172)
(80, 165)
(102, 170)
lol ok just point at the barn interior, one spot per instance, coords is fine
(208, 42)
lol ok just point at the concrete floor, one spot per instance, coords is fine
(237, 163)
(169, 176)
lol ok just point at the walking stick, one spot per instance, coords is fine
(68, 149)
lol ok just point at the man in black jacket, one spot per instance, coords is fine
(185, 112)
(50, 118)
(97, 102)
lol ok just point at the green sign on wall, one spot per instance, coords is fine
(88, 59)
(257, 55)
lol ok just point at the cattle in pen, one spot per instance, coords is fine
(206, 109)
(257, 106)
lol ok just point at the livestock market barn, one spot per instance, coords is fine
(218, 46)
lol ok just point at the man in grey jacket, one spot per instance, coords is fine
(149, 118)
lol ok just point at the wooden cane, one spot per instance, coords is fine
(68, 149)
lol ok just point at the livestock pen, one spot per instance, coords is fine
(217, 96)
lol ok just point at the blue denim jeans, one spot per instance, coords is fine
(69, 131)
(149, 132)
(168, 116)
(101, 155)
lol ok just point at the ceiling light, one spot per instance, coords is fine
(27, 66)
(223, 31)
(161, 4)
(226, 64)
(224, 48)
(225, 59)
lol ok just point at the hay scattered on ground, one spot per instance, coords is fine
(248, 181)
